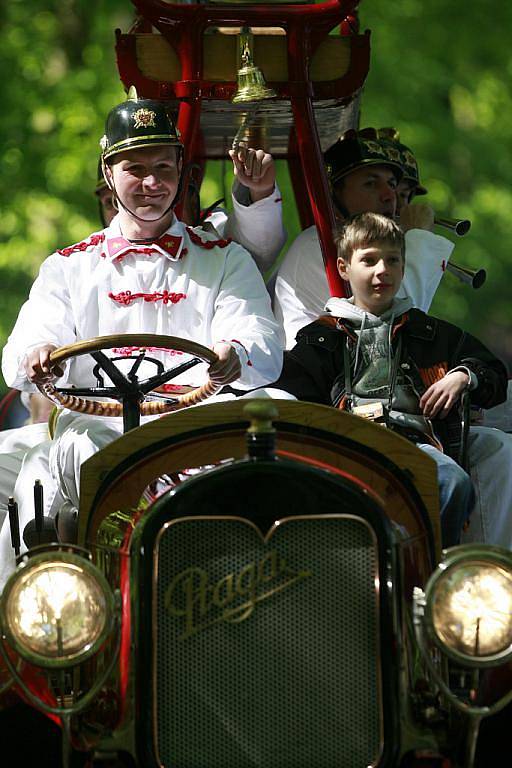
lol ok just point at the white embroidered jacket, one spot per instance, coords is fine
(197, 287)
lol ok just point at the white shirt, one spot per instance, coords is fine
(302, 289)
(206, 290)
(257, 226)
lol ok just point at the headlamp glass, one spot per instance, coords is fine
(57, 611)
(470, 607)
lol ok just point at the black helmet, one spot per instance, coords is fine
(138, 123)
(358, 148)
(407, 159)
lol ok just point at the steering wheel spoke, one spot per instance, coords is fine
(116, 376)
(88, 391)
(162, 378)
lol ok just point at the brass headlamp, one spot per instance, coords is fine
(57, 609)
(468, 605)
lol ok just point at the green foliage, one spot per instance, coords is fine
(440, 72)
(59, 56)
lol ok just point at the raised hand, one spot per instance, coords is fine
(255, 169)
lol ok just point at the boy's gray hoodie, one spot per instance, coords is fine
(372, 366)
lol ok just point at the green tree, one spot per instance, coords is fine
(59, 81)
(441, 73)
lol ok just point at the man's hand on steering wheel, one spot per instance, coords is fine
(38, 366)
(133, 395)
(228, 367)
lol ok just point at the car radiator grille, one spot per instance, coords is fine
(266, 653)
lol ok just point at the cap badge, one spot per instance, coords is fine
(393, 154)
(373, 147)
(409, 158)
(144, 118)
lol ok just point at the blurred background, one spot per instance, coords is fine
(440, 72)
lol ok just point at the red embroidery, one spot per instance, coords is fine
(244, 349)
(92, 240)
(127, 297)
(208, 244)
(278, 200)
(443, 265)
(127, 351)
(179, 389)
(118, 247)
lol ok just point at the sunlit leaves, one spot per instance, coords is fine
(441, 73)
(62, 81)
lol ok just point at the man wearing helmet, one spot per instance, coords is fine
(256, 220)
(146, 272)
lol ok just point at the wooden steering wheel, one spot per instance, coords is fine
(126, 387)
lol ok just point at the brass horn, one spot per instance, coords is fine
(251, 83)
(473, 277)
(460, 226)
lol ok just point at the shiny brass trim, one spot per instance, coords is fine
(265, 538)
(127, 143)
(51, 663)
(113, 527)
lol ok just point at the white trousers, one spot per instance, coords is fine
(14, 444)
(57, 464)
(490, 459)
(26, 455)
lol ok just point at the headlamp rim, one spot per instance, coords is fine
(71, 660)
(453, 558)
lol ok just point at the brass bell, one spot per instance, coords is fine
(251, 83)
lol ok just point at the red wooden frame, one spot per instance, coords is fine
(306, 26)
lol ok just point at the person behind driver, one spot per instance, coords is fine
(376, 356)
(364, 171)
(145, 273)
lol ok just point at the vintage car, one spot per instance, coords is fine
(259, 583)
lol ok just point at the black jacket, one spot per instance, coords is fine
(313, 369)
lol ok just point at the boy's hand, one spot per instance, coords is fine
(417, 216)
(228, 367)
(37, 365)
(440, 397)
(255, 169)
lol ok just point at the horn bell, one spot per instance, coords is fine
(473, 277)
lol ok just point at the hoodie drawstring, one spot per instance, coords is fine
(358, 345)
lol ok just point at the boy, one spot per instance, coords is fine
(374, 354)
